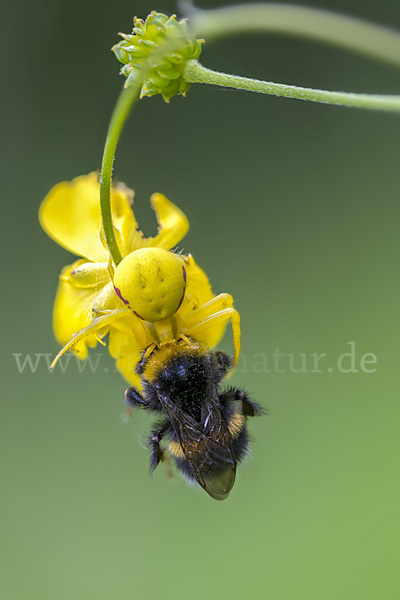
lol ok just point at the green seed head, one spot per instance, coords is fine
(154, 55)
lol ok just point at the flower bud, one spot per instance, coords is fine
(145, 63)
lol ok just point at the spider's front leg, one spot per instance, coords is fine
(98, 325)
(216, 311)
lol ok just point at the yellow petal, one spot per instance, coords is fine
(198, 292)
(172, 227)
(173, 224)
(127, 352)
(72, 310)
(70, 215)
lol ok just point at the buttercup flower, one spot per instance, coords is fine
(152, 297)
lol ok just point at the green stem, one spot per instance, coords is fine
(119, 116)
(355, 34)
(194, 72)
(121, 111)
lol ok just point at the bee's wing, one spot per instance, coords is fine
(210, 456)
(218, 486)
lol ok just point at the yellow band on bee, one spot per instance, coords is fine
(157, 361)
(235, 424)
(175, 450)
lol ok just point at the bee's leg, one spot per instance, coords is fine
(133, 399)
(224, 362)
(236, 407)
(157, 452)
(140, 367)
(249, 407)
(168, 467)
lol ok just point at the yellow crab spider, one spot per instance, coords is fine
(149, 299)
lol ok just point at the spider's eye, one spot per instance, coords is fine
(151, 282)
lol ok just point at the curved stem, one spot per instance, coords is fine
(355, 34)
(194, 72)
(119, 116)
(121, 111)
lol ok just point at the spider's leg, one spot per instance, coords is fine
(93, 328)
(216, 311)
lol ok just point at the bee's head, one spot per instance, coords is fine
(182, 367)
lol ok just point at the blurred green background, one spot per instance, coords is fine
(294, 210)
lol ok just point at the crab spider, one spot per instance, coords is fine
(150, 299)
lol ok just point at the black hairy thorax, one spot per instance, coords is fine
(186, 381)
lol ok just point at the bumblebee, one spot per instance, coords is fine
(204, 425)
